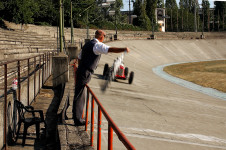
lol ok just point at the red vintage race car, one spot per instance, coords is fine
(121, 73)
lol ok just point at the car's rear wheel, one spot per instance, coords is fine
(126, 71)
(131, 76)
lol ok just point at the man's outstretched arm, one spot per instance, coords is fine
(118, 50)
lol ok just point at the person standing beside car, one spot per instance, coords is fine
(88, 60)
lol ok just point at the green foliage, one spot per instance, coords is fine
(2, 24)
(142, 19)
(46, 12)
(108, 25)
(206, 7)
(171, 4)
(19, 11)
(150, 9)
(160, 4)
(220, 11)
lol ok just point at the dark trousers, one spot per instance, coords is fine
(83, 76)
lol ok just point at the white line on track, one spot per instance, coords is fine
(185, 138)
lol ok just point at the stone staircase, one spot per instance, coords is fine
(16, 43)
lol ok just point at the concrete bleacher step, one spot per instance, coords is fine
(25, 39)
(10, 46)
(12, 40)
(25, 50)
(72, 137)
(14, 43)
(21, 33)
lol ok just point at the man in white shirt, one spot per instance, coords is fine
(88, 60)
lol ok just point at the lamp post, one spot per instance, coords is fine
(106, 4)
(129, 14)
(61, 26)
(195, 22)
(72, 32)
(116, 32)
(202, 36)
(87, 25)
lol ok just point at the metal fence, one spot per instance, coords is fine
(28, 74)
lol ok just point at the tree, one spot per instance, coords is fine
(20, 11)
(160, 4)
(205, 7)
(47, 12)
(220, 10)
(171, 10)
(142, 19)
(150, 9)
(171, 4)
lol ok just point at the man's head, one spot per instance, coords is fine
(99, 34)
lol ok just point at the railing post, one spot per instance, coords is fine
(87, 109)
(34, 77)
(92, 121)
(47, 65)
(28, 80)
(99, 129)
(75, 70)
(43, 69)
(110, 137)
(39, 78)
(5, 106)
(19, 84)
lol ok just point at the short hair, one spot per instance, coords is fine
(99, 33)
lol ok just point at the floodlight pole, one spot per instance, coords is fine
(61, 27)
(87, 26)
(195, 24)
(115, 25)
(202, 20)
(129, 13)
(72, 32)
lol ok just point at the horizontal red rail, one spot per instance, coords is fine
(111, 123)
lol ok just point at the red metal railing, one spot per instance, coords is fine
(16, 68)
(111, 125)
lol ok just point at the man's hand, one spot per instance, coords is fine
(127, 50)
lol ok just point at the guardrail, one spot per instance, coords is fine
(111, 125)
(22, 70)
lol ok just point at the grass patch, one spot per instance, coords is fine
(210, 74)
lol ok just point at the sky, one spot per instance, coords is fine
(126, 4)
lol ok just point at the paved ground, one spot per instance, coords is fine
(155, 113)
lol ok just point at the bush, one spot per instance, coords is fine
(108, 25)
(42, 23)
(2, 24)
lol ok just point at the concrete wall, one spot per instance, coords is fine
(1, 123)
(9, 120)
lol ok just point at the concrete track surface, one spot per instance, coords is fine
(154, 113)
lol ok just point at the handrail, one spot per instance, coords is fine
(111, 125)
(21, 59)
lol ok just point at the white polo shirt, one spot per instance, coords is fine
(98, 48)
